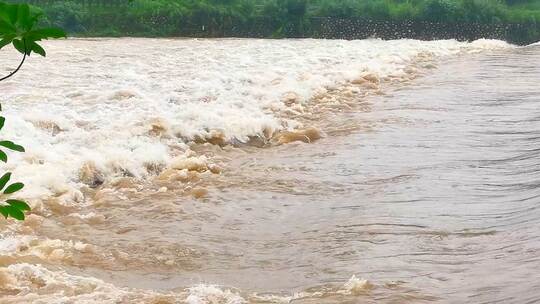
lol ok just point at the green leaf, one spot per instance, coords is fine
(4, 211)
(13, 188)
(7, 27)
(23, 16)
(4, 180)
(6, 41)
(15, 213)
(21, 205)
(19, 45)
(11, 12)
(8, 12)
(2, 121)
(12, 211)
(11, 145)
(36, 48)
(3, 156)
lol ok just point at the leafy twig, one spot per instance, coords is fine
(20, 64)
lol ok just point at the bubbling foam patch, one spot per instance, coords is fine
(26, 283)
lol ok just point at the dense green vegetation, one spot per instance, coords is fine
(484, 11)
(214, 17)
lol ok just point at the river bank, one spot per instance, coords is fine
(326, 28)
(387, 19)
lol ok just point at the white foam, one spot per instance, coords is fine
(209, 294)
(356, 285)
(36, 284)
(27, 283)
(97, 101)
(47, 250)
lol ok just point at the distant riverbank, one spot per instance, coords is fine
(327, 28)
(510, 20)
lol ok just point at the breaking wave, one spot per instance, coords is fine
(96, 110)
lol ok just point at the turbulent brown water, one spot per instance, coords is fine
(427, 193)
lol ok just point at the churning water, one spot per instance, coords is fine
(260, 171)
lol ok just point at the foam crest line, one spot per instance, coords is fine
(59, 287)
(98, 109)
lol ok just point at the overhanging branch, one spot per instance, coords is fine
(20, 64)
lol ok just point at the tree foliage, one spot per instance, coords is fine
(204, 17)
(10, 207)
(18, 27)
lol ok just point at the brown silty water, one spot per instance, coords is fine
(414, 189)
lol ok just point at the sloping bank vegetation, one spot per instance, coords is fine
(293, 18)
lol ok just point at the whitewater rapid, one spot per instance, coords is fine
(100, 116)
(120, 107)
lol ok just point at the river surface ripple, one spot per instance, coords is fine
(441, 195)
